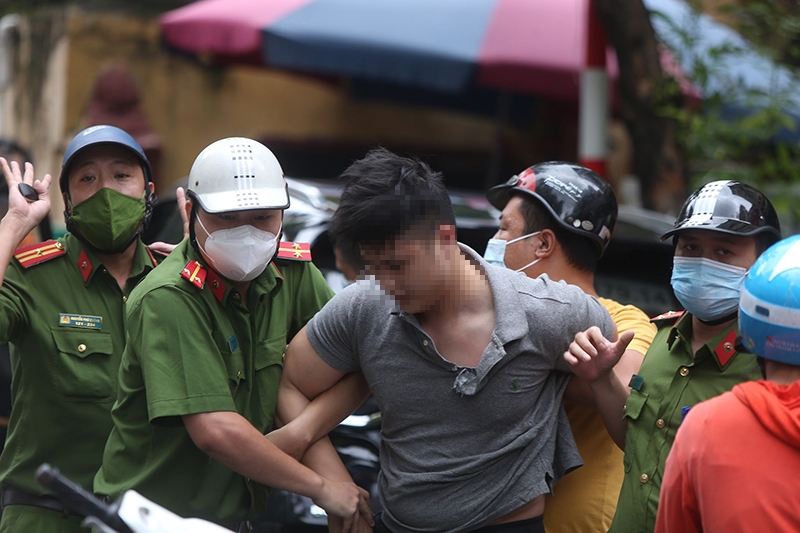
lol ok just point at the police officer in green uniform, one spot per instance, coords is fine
(61, 308)
(207, 333)
(721, 230)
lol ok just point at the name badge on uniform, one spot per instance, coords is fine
(233, 344)
(80, 321)
(636, 382)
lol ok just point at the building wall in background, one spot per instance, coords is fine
(58, 54)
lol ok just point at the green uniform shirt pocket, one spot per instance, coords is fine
(84, 368)
(268, 362)
(228, 347)
(633, 410)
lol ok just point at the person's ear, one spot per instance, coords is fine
(447, 234)
(187, 209)
(545, 243)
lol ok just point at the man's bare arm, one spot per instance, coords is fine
(578, 391)
(319, 416)
(592, 358)
(306, 377)
(230, 439)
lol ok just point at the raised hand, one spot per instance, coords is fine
(23, 216)
(591, 356)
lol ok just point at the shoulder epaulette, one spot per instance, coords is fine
(294, 251)
(39, 253)
(195, 273)
(669, 315)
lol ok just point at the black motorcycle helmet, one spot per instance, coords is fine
(579, 199)
(728, 207)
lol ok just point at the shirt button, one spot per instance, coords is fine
(236, 296)
(239, 374)
(81, 348)
(644, 478)
(425, 342)
(660, 423)
(624, 408)
(124, 299)
(684, 371)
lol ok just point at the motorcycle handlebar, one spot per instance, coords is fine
(79, 500)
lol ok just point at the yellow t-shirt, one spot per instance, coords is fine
(585, 500)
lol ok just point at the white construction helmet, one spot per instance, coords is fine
(237, 174)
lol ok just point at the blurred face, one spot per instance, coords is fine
(412, 268)
(721, 247)
(512, 226)
(105, 166)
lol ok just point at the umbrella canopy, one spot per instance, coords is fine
(446, 45)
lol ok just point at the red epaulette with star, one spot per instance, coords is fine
(195, 273)
(39, 253)
(294, 251)
(669, 315)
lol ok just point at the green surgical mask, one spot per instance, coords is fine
(109, 220)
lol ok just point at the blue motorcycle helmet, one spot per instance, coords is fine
(769, 305)
(105, 134)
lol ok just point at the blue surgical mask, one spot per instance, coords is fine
(496, 251)
(707, 289)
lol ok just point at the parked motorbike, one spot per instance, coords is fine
(133, 513)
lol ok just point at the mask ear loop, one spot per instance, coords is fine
(522, 238)
(529, 265)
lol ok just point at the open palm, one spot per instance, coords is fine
(25, 214)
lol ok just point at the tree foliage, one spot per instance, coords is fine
(740, 130)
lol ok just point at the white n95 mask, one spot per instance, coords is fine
(241, 253)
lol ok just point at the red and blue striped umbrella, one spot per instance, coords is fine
(532, 46)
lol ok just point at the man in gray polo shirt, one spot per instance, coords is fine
(464, 359)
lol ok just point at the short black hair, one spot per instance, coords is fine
(580, 251)
(385, 196)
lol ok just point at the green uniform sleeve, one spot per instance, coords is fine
(14, 301)
(311, 294)
(171, 334)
